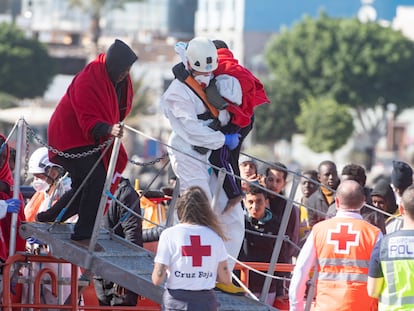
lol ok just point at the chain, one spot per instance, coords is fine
(26, 155)
(31, 132)
(69, 155)
(150, 162)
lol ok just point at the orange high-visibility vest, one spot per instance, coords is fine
(343, 248)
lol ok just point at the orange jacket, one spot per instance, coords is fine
(33, 206)
(343, 248)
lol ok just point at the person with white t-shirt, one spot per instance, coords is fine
(191, 256)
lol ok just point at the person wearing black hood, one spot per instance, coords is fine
(88, 115)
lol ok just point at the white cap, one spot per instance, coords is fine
(243, 158)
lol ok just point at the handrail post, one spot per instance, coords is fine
(104, 197)
(280, 237)
(16, 187)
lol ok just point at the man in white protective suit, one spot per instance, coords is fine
(191, 118)
(186, 107)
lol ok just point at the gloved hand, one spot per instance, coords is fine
(13, 205)
(231, 140)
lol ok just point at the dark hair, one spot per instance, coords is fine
(278, 166)
(326, 163)
(254, 190)
(312, 173)
(357, 173)
(220, 44)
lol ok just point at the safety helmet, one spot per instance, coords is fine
(39, 161)
(202, 54)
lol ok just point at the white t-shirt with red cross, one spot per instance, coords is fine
(192, 254)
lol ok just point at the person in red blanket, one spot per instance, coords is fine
(97, 100)
(241, 112)
(8, 205)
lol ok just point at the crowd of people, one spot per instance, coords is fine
(356, 240)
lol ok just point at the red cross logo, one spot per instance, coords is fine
(196, 250)
(343, 237)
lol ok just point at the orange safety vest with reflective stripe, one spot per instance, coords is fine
(343, 249)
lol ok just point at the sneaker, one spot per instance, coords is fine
(85, 244)
(230, 289)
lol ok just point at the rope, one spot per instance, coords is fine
(258, 271)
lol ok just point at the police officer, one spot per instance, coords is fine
(391, 267)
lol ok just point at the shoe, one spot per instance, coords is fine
(232, 202)
(85, 244)
(230, 289)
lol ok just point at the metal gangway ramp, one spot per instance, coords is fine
(122, 262)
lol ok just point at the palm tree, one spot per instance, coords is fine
(95, 8)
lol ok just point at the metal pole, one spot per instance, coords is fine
(280, 237)
(104, 197)
(16, 186)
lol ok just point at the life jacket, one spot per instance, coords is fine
(397, 263)
(33, 206)
(184, 76)
(343, 248)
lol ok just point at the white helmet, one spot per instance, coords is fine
(202, 54)
(39, 161)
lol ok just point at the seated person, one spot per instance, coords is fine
(129, 227)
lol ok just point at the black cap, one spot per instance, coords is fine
(402, 175)
(384, 190)
(119, 58)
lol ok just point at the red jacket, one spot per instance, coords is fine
(89, 99)
(252, 89)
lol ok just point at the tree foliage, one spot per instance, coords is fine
(353, 63)
(26, 69)
(326, 124)
(7, 101)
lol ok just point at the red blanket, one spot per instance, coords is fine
(5, 223)
(90, 99)
(252, 89)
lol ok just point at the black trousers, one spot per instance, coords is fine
(229, 160)
(86, 203)
(111, 294)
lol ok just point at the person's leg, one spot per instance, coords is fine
(222, 158)
(90, 195)
(51, 214)
(124, 297)
(191, 172)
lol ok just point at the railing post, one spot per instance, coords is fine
(280, 237)
(104, 197)
(16, 187)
